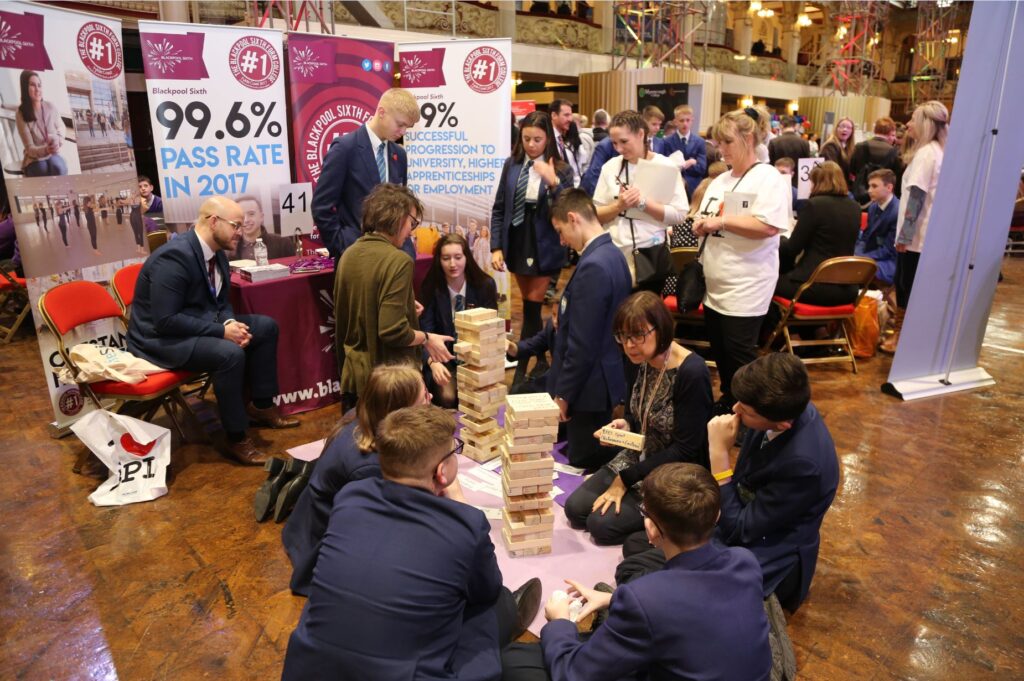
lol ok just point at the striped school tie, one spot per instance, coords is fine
(519, 202)
(382, 167)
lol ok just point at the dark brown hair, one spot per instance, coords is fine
(630, 120)
(409, 440)
(885, 175)
(573, 201)
(386, 206)
(537, 119)
(827, 178)
(435, 280)
(683, 500)
(641, 311)
(775, 385)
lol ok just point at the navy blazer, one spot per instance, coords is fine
(778, 497)
(340, 463)
(437, 311)
(350, 173)
(878, 240)
(586, 367)
(694, 148)
(550, 251)
(700, 617)
(399, 576)
(603, 151)
(174, 304)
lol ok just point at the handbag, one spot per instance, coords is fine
(652, 265)
(692, 286)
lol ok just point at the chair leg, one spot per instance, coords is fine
(190, 416)
(788, 341)
(168, 404)
(849, 347)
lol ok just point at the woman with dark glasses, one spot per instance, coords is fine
(669, 405)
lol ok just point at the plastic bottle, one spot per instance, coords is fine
(260, 252)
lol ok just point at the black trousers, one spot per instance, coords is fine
(523, 662)
(610, 528)
(584, 450)
(906, 271)
(233, 368)
(733, 344)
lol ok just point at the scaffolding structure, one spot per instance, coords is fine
(936, 22)
(672, 33)
(854, 53)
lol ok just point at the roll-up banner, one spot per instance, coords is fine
(68, 164)
(456, 151)
(216, 98)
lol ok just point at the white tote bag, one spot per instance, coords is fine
(136, 452)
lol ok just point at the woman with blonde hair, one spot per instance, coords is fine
(839, 146)
(746, 210)
(928, 129)
(349, 454)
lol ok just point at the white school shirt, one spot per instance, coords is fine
(648, 232)
(923, 172)
(741, 273)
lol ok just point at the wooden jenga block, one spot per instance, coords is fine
(518, 470)
(479, 379)
(532, 406)
(622, 438)
(478, 412)
(475, 314)
(480, 455)
(475, 425)
(514, 447)
(525, 485)
(489, 439)
(546, 422)
(529, 502)
(517, 428)
(528, 521)
(481, 396)
(517, 546)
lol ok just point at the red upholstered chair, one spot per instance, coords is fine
(680, 258)
(123, 285)
(14, 304)
(847, 270)
(70, 305)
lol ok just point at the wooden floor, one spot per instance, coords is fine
(921, 574)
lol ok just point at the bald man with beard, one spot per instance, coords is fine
(182, 319)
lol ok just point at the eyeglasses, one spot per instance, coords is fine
(237, 226)
(634, 338)
(415, 220)
(459, 445)
(643, 512)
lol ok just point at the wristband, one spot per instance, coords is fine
(426, 338)
(719, 477)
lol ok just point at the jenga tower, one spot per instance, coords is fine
(527, 472)
(481, 347)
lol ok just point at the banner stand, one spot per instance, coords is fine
(938, 384)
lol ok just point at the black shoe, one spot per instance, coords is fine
(281, 472)
(527, 599)
(290, 492)
(601, 615)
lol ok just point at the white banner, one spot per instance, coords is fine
(464, 88)
(217, 102)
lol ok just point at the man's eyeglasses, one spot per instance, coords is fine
(634, 338)
(237, 226)
(459, 445)
(415, 220)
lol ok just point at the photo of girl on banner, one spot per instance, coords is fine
(37, 137)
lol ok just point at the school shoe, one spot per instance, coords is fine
(527, 598)
(266, 496)
(245, 452)
(601, 615)
(270, 417)
(292, 489)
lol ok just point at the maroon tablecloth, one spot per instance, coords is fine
(303, 306)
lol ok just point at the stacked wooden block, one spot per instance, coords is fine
(527, 472)
(481, 347)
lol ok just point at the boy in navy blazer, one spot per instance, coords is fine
(406, 584)
(700, 617)
(586, 378)
(691, 144)
(356, 163)
(878, 240)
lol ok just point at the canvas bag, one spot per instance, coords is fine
(136, 452)
(102, 363)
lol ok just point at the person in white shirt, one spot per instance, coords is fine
(617, 192)
(566, 140)
(923, 160)
(747, 209)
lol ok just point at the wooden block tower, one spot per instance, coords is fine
(481, 347)
(527, 472)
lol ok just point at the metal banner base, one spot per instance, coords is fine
(938, 384)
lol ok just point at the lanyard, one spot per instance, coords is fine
(654, 393)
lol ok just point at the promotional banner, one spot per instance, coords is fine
(69, 169)
(457, 149)
(216, 98)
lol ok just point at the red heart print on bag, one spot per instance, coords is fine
(133, 447)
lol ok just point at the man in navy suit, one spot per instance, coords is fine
(603, 151)
(655, 118)
(586, 378)
(182, 319)
(406, 584)
(699, 617)
(692, 145)
(878, 240)
(356, 163)
(785, 478)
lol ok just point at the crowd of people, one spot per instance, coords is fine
(400, 573)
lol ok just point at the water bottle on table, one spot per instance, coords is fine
(260, 252)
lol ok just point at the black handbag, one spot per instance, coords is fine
(652, 264)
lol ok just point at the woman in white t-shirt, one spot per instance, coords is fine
(616, 192)
(928, 128)
(745, 210)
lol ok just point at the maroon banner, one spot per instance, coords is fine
(424, 68)
(21, 42)
(334, 87)
(170, 56)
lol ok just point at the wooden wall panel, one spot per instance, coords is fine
(615, 91)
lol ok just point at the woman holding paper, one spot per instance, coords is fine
(746, 210)
(670, 406)
(630, 186)
(349, 454)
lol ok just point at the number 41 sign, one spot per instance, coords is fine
(294, 200)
